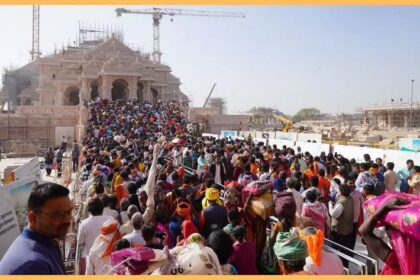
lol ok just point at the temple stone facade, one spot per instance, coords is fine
(109, 70)
(46, 98)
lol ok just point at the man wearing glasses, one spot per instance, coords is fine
(36, 250)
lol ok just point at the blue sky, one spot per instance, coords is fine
(287, 57)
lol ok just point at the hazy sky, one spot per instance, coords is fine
(332, 58)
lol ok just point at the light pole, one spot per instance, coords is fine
(411, 104)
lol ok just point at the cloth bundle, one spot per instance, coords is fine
(405, 220)
(404, 232)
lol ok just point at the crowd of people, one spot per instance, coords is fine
(157, 199)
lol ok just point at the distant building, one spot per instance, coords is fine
(392, 115)
(219, 104)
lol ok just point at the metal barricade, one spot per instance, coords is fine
(363, 266)
(362, 256)
(70, 246)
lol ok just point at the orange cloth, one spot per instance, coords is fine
(109, 228)
(181, 172)
(315, 244)
(184, 210)
(254, 168)
(116, 163)
(309, 173)
(120, 193)
(324, 186)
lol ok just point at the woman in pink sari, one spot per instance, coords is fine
(401, 214)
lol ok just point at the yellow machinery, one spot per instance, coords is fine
(287, 124)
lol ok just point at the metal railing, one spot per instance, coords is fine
(70, 247)
(363, 266)
(362, 256)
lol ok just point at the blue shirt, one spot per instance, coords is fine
(32, 253)
(404, 173)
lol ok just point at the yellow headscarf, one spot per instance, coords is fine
(212, 194)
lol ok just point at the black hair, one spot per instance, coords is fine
(175, 176)
(42, 193)
(148, 232)
(295, 266)
(365, 166)
(344, 190)
(187, 179)
(112, 201)
(105, 200)
(222, 244)
(390, 165)
(233, 216)
(311, 195)
(238, 233)
(99, 188)
(314, 181)
(95, 207)
(321, 172)
(124, 174)
(122, 244)
(132, 188)
(369, 189)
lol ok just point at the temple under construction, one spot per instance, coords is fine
(402, 115)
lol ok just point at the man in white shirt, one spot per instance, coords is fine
(128, 227)
(391, 178)
(177, 156)
(124, 204)
(99, 258)
(89, 228)
(136, 237)
(290, 185)
(107, 210)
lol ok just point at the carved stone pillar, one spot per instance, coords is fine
(84, 91)
(106, 89)
(132, 93)
(147, 93)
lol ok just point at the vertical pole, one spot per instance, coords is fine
(411, 105)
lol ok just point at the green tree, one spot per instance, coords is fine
(307, 114)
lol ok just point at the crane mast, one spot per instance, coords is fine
(208, 97)
(157, 15)
(35, 53)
